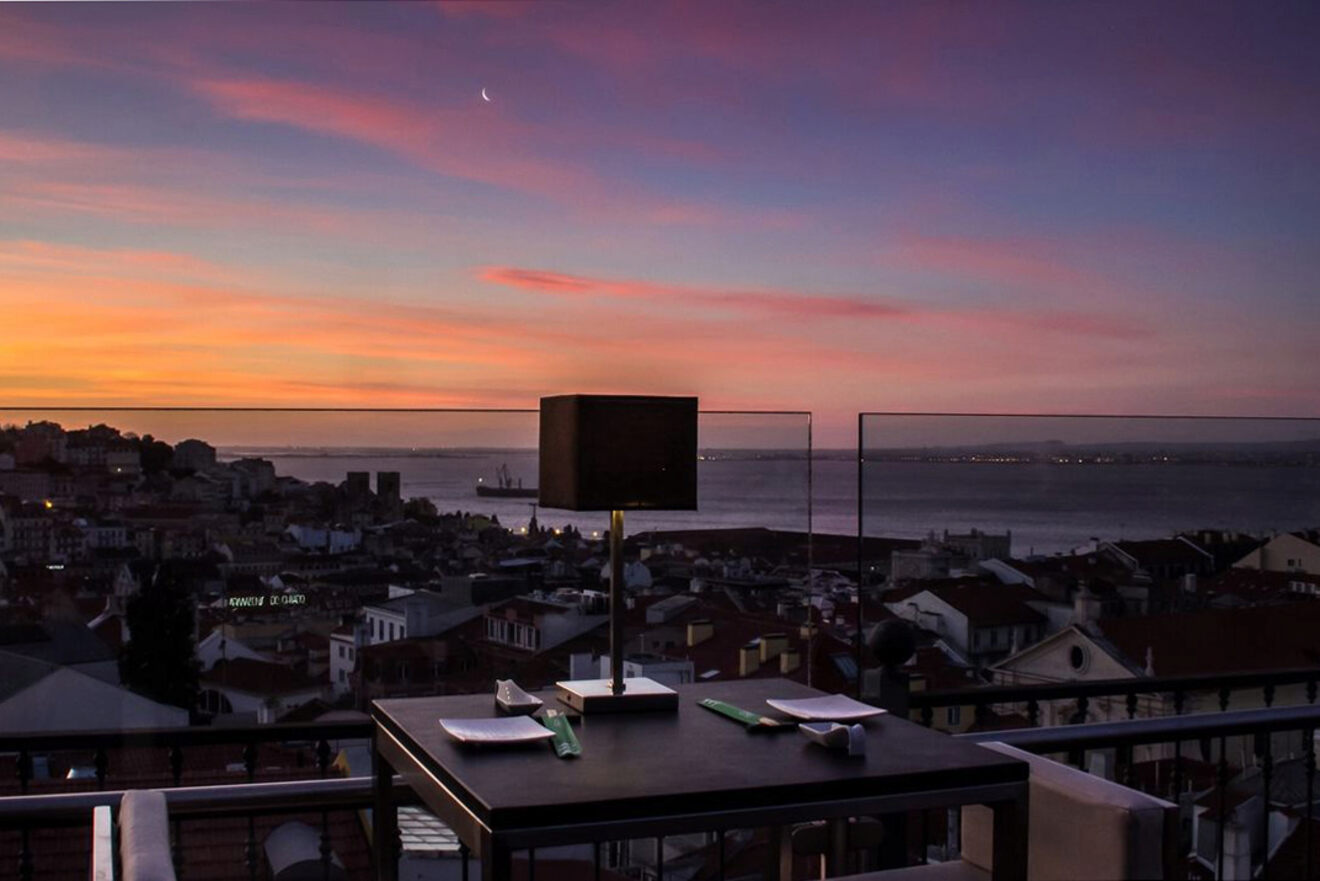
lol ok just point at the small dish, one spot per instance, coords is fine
(830, 708)
(508, 730)
(832, 735)
(513, 700)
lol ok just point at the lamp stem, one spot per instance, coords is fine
(616, 602)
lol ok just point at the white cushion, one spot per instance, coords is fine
(144, 836)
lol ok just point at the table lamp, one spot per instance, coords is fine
(618, 453)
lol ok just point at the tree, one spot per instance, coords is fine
(155, 455)
(160, 658)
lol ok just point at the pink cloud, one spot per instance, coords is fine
(479, 143)
(26, 150)
(769, 303)
(473, 144)
(816, 307)
(27, 40)
(77, 260)
(1018, 262)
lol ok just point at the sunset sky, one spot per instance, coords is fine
(834, 207)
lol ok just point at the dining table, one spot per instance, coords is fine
(668, 772)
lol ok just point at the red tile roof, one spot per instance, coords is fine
(939, 670)
(1255, 585)
(990, 604)
(259, 677)
(733, 630)
(1221, 640)
(1164, 551)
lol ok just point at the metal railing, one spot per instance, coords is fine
(175, 740)
(188, 803)
(1222, 685)
(1123, 736)
(26, 812)
(1078, 737)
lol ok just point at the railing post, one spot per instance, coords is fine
(1125, 773)
(102, 762)
(1077, 757)
(323, 766)
(981, 712)
(250, 760)
(1310, 800)
(1267, 775)
(1177, 776)
(385, 820)
(176, 763)
(1222, 804)
(24, 770)
(250, 850)
(176, 849)
(25, 867)
(892, 644)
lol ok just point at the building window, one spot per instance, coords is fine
(341, 651)
(343, 676)
(402, 631)
(391, 630)
(953, 716)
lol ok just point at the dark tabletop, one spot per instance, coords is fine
(653, 763)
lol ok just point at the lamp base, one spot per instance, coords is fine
(592, 696)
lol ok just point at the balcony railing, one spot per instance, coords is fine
(1222, 685)
(188, 803)
(1124, 736)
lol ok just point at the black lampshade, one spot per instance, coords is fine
(618, 452)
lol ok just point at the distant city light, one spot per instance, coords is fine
(49, 504)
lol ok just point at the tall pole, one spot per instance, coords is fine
(616, 602)
(811, 570)
(861, 543)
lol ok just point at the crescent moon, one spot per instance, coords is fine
(484, 96)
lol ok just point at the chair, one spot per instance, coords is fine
(1082, 827)
(144, 837)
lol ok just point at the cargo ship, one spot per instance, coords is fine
(505, 487)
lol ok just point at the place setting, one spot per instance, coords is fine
(822, 720)
(516, 725)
